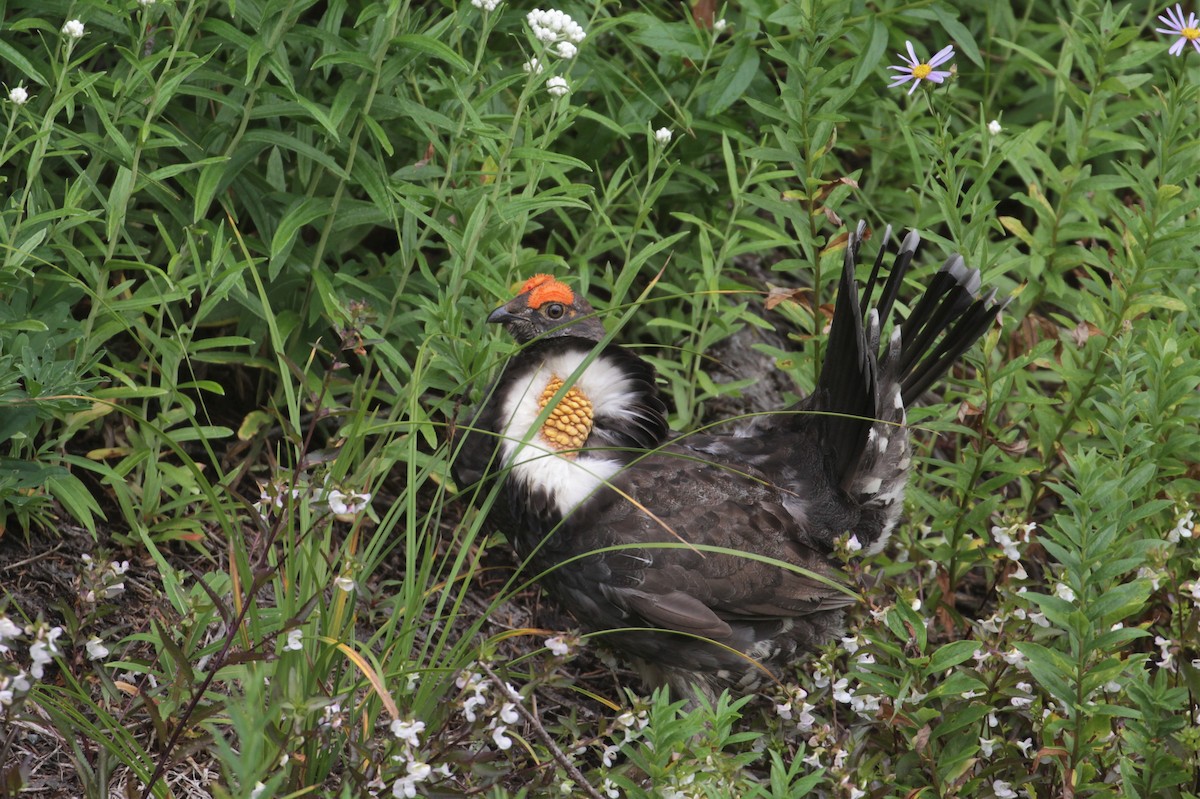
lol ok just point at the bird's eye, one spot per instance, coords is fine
(555, 310)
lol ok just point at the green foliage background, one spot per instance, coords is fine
(246, 249)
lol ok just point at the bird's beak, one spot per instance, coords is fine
(501, 316)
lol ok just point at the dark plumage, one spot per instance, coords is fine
(604, 505)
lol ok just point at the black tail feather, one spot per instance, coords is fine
(970, 326)
(848, 385)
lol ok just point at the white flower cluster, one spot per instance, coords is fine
(501, 714)
(485, 5)
(293, 642)
(347, 503)
(794, 708)
(556, 29)
(43, 648)
(415, 770)
(1185, 527)
(15, 682)
(102, 583)
(1023, 701)
(1193, 592)
(73, 29)
(1003, 790)
(629, 726)
(562, 646)
(1166, 651)
(273, 496)
(18, 95)
(1008, 538)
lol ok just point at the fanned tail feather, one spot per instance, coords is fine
(947, 319)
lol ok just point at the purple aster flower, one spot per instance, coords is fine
(1188, 30)
(916, 70)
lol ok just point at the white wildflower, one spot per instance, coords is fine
(96, 649)
(43, 649)
(18, 95)
(719, 25)
(916, 70)
(567, 49)
(993, 623)
(293, 642)
(347, 504)
(663, 136)
(1003, 790)
(344, 583)
(1006, 542)
(554, 26)
(533, 67)
(608, 756)
(1185, 527)
(1167, 659)
(1023, 701)
(503, 742)
(994, 127)
(8, 630)
(853, 544)
(988, 745)
(557, 86)
(1064, 592)
(73, 29)
(408, 731)
(1013, 657)
(485, 5)
(558, 646)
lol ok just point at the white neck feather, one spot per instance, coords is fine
(534, 462)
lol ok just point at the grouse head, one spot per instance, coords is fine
(547, 307)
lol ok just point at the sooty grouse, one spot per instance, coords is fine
(706, 558)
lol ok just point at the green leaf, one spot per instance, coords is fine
(950, 654)
(872, 54)
(118, 201)
(24, 65)
(75, 497)
(549, 157)
(432, 47)
(734, 76)
(964, 41)
(1051, 670)
(1119, 602)
(300, 214)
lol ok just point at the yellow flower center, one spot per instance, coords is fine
(570, 422)
(921, 71)
(1190, 33)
